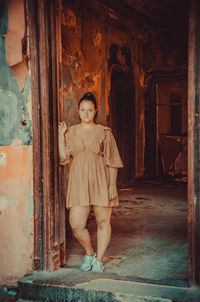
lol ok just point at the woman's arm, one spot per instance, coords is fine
(113, 182)
(62, 128)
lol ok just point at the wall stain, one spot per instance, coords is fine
(3, 161)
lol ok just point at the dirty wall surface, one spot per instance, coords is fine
(16, 198)
(102, 52)
(94, 47)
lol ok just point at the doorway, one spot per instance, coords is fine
(145, 206)
(122, 116)
(166, 126)
(45, 156)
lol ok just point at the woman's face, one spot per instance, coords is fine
(87, 111)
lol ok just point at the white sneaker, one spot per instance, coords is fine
(87, 262)
(97, 266)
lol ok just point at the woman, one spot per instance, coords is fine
(92, 180)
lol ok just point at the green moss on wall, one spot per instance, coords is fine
(14, 116)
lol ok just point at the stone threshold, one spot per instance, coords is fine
(73, 285)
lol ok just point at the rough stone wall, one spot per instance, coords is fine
(16, 197)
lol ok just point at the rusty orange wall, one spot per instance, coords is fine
(86, 37)
(16, 197)
(16, 211)
(87, 34)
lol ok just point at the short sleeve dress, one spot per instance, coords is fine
(89, 173)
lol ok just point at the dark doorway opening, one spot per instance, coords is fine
(122, 114)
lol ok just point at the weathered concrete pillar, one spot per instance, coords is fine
(193, 144)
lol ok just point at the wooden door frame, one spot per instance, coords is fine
(49, 232)
(193, 144)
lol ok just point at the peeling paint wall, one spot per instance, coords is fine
(88, 32)
(83, 42)
(88, 35)
(16, 197)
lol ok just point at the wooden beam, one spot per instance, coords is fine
(43, 63)
(193, 144)
(37, 144)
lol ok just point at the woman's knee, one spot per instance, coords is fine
(76, 227)
(78, 218)
(102, 216)
(103, 222)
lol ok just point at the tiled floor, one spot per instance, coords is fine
(149, 235)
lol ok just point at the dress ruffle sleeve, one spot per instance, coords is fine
(67, 149)
(110, 150)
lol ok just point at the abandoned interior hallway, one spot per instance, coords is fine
(149, 235)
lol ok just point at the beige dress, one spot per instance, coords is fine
(89, 174)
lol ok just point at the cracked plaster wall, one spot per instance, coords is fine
(87, 35)
(83, 66)
(16, 197)
(86, 38)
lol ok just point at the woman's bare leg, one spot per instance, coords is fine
(78, 218)
(102, 215)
